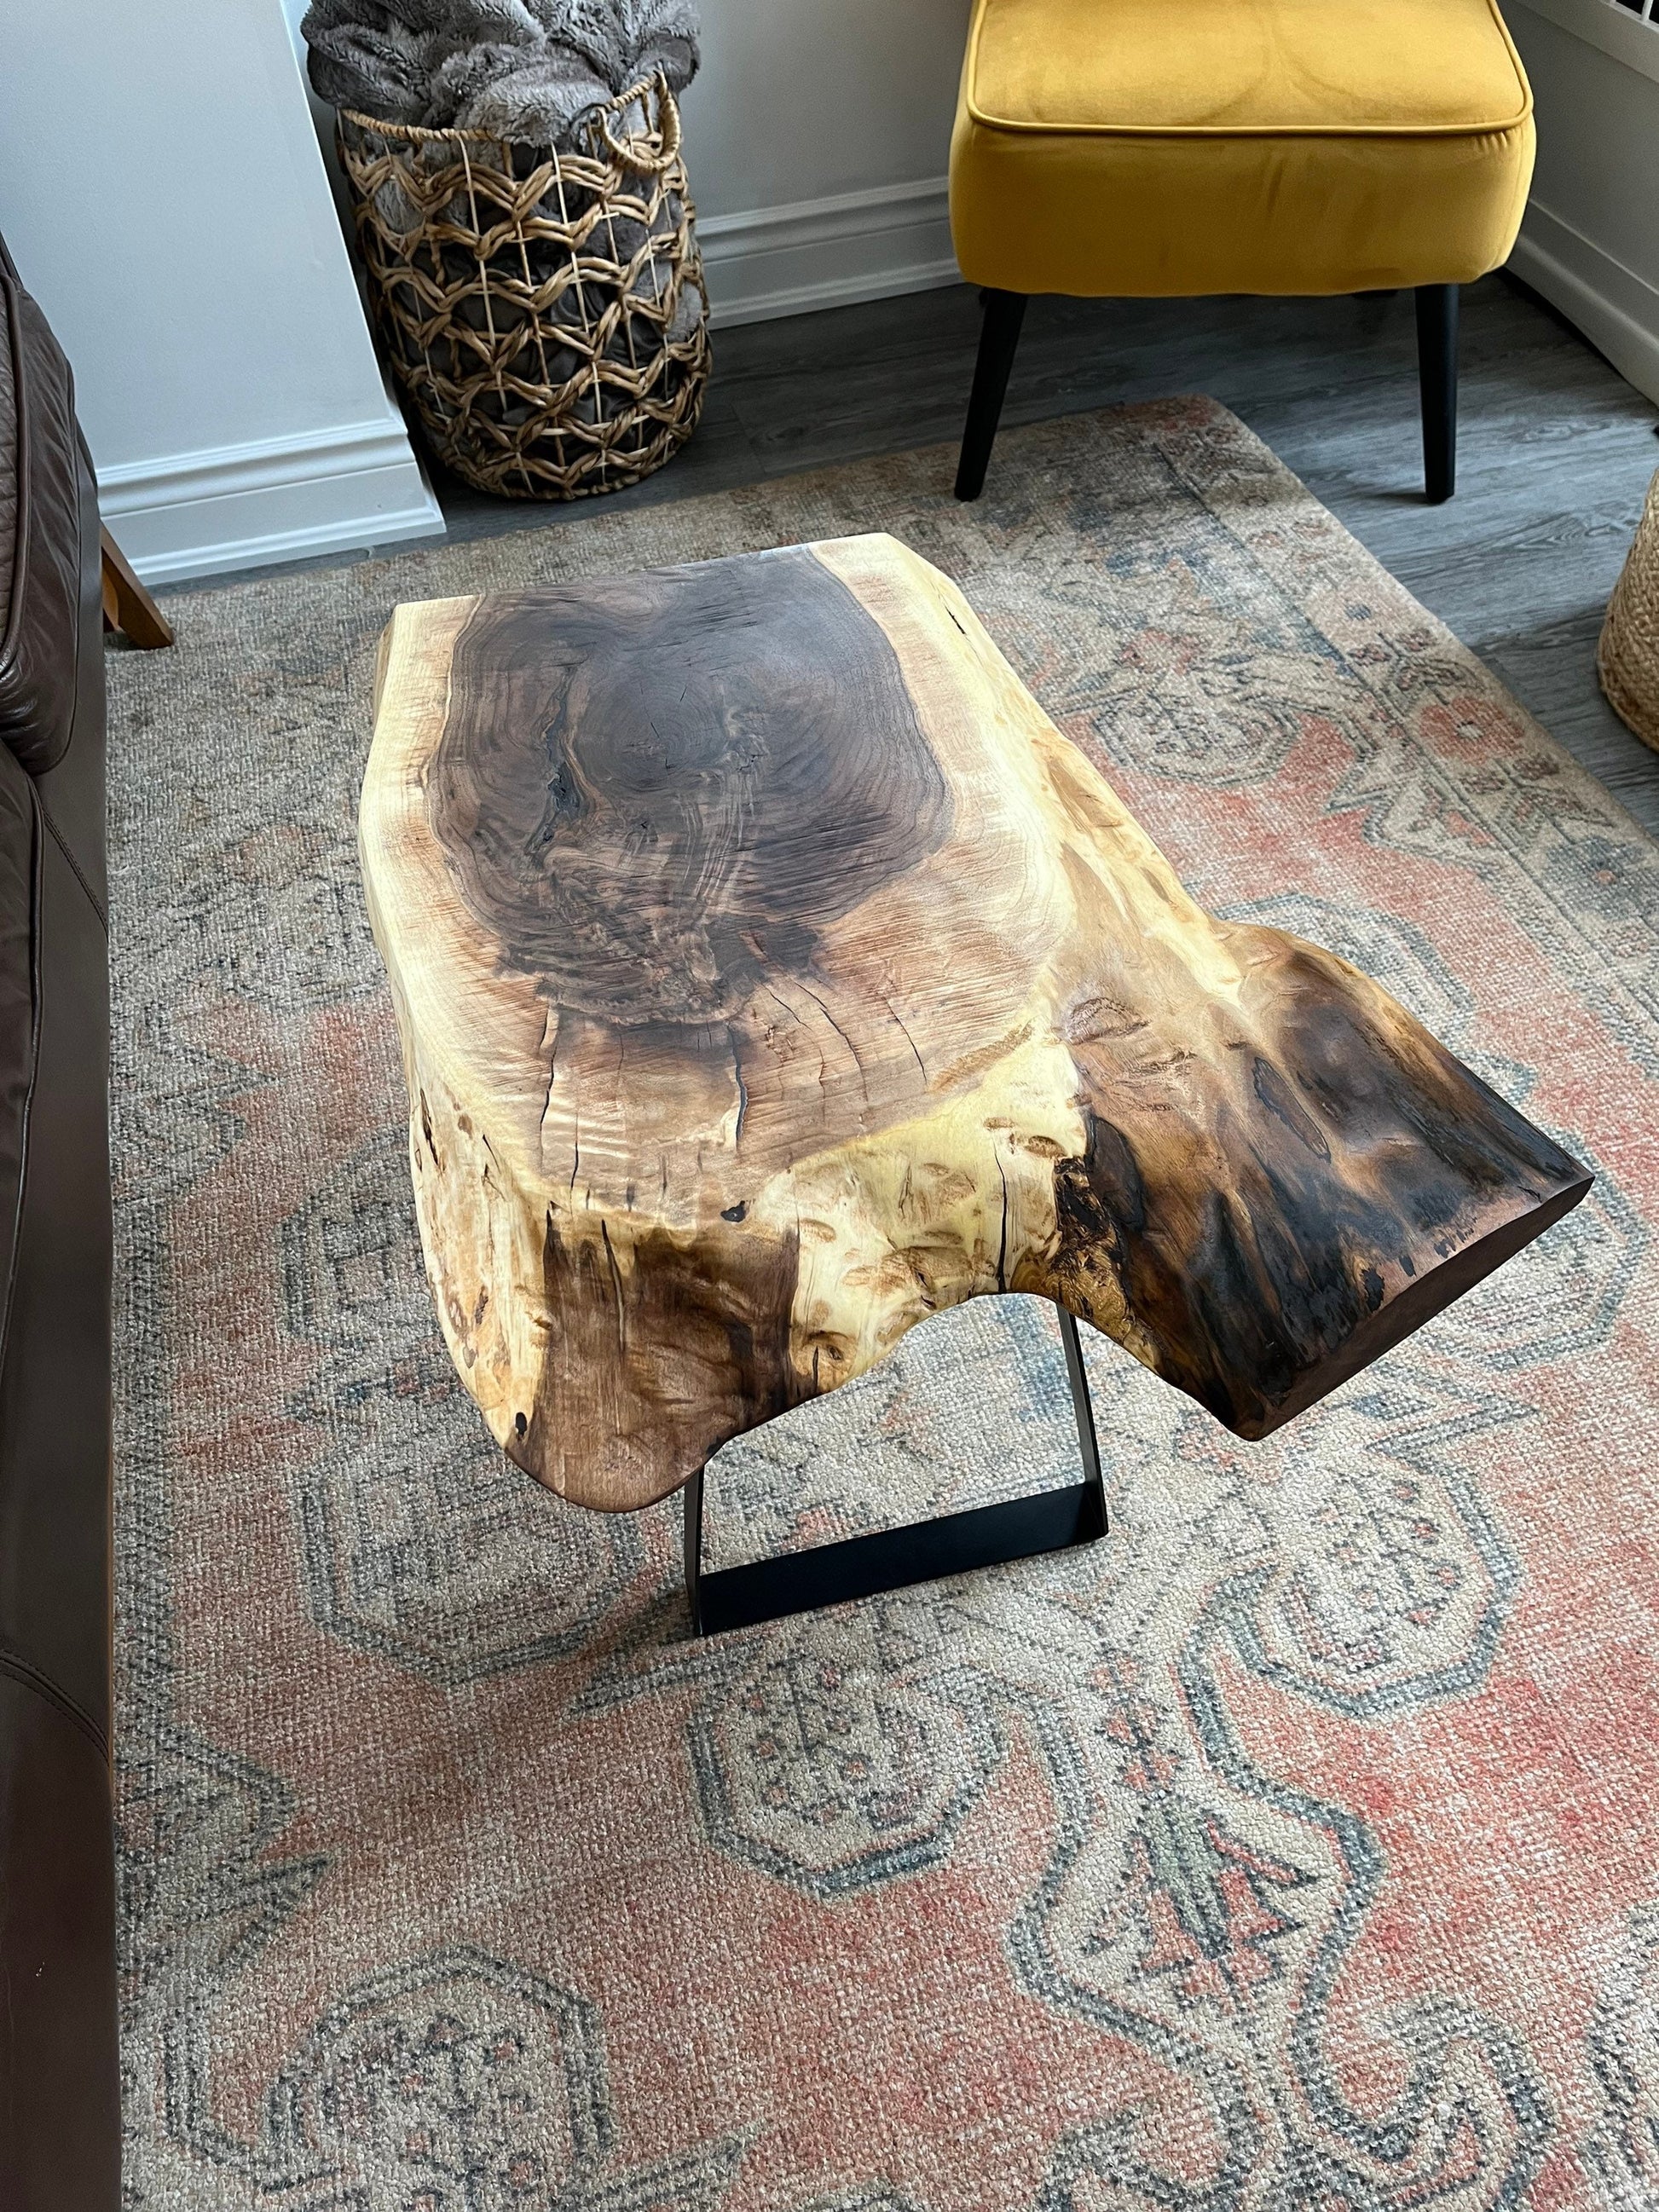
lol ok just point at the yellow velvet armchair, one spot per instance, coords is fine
(1173, 148)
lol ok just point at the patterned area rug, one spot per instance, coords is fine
(1297, 1847)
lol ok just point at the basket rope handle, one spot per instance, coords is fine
(634, 152)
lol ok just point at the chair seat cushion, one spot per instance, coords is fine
(1180, 146)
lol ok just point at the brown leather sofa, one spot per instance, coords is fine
(59, 2092)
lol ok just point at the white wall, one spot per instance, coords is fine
(1590, 239)
(816, 137)
(163, 194)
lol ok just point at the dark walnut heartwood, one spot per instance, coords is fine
(773, 973)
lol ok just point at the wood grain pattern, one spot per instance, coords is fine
(772, 973)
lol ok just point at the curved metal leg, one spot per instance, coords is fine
(1088, 1442)
(693, 1550)
(894, 1559)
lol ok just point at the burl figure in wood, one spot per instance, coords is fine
(773, 973)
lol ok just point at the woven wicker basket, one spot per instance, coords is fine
(1628, 656)
(545, 312)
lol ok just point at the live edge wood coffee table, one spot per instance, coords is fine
(773, 973)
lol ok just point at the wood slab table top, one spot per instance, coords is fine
(773, 973)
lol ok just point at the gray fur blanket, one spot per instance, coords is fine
(532, 71)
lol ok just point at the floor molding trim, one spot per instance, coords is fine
(1604, 24)
(1617, 310)
(355, 484)
(867, 244)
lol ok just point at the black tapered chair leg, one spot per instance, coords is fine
(1436, 370)
(998, 337)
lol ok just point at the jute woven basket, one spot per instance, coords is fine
(1628, 656)
(545, 312)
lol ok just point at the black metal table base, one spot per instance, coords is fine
(893, 1559)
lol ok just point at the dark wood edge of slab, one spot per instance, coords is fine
(1420, 1302)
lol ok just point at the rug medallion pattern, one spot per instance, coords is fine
(1295, 1850)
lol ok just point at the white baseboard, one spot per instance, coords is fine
(1616, 309)
(827, 253)
(1609, 26)
(275, 499)
(360, 484)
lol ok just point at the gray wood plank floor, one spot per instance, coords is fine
(1555, 449)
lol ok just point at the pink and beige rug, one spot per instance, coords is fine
(1297, 1847)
